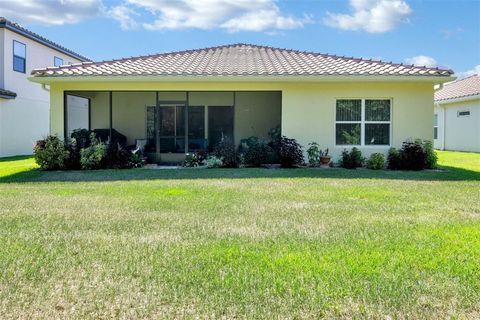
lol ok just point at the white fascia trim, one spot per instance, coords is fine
(189, 78)
(455, 100)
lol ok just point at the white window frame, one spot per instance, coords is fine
(55, 59)
(362, 123)
(435, 125)
(15, 55)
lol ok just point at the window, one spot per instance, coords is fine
(19, 56)
(463, 113)
(57, 62)
(435, 126)
(363, 122)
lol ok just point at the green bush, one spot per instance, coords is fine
(376, 161)
(394, 159)
(431, 155)
(275, 135)
(93, 157)
(412, 156)
(257, 154)
(191, 160)
(226, 150)
(214, 162)
(352, 159)
(291, 154)
(116, 157)
(313, 154)
(51, 153)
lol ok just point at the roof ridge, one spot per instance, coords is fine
(4, 22)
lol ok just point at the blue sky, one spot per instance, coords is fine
(434, 32)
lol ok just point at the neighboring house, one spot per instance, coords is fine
(188, 100)
(457, 115)
(24, 106)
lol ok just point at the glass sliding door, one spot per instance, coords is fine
(220, 124)
(171, 128)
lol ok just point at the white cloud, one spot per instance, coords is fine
(231, 15)
(49, 12)
(124, 15)
(422, 61)
(468, 73)
(373, 16)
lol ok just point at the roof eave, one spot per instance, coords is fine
(458, 99)
(243, 78)
(5, 24)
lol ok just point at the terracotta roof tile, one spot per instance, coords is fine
(240, 60)
(462, 88)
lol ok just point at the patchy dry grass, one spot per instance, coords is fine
(247, 243)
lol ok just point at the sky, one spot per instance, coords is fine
(443, 33)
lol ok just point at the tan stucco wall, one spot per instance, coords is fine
(308, 109)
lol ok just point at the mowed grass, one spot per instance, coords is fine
(241, 243)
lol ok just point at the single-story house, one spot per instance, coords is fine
(185, 101)
(457, 115)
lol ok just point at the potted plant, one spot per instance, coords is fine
(325, 158)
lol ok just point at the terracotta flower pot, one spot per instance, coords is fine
(325, 160)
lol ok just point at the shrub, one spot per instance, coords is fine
(394, 159)
(214, 162)
(73, 160)
(376, 161)
(275, 136)
(314, 153)
(291, 154)
(412, 156)
(191, 160)
(431, 155)
(201, 155)
(82, 137)
(352, 159)
(226, 150)
(93, 156)
(51, 153)
(256, 154)
(79, 139)
(136, 161)
(117, 157)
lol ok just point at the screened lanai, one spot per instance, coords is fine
(171, 124)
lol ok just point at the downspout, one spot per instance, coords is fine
(440, 87)
(44, 87)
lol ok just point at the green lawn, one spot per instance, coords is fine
(240, 243)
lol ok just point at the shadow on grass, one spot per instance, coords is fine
(35, 175)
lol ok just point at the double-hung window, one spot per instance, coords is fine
(57, 62)
(435, 126)
(363, 122)
(19, 56)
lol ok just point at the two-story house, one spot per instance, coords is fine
(24, 105)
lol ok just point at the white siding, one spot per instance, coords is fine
(25, 119)
(462, 133)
